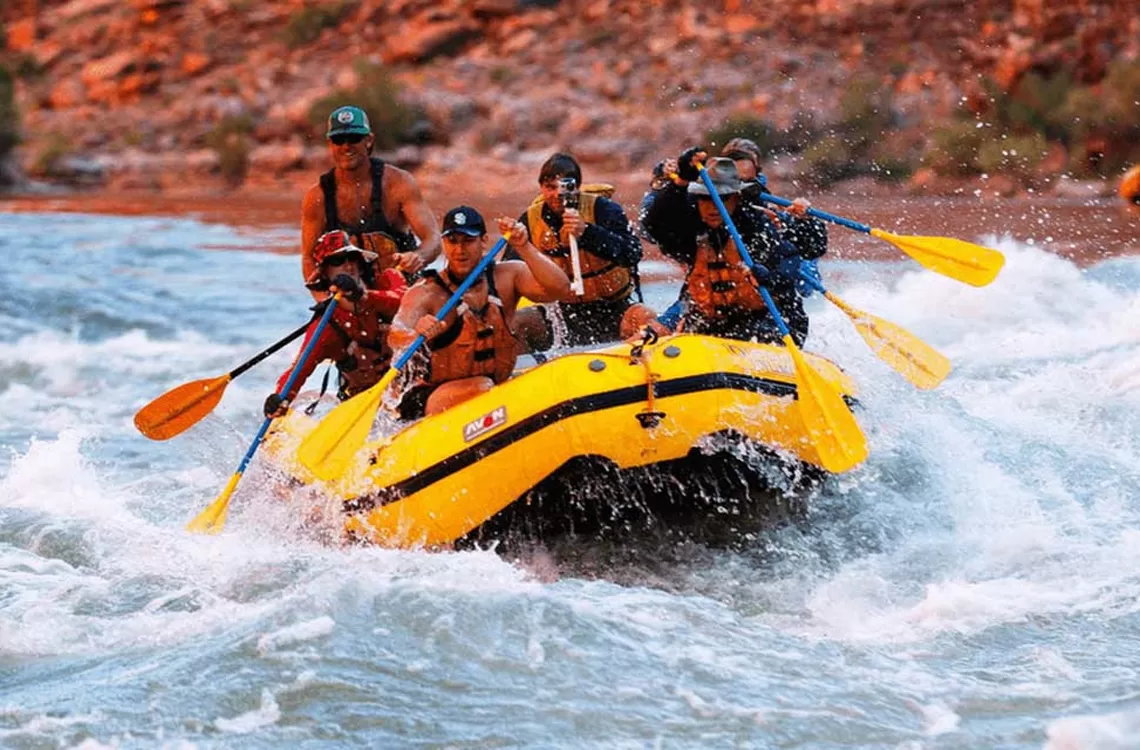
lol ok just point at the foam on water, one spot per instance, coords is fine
(975, 584)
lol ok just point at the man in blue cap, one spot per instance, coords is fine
(473, 347)
(379, 205)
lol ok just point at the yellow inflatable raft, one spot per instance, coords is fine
(606, 412)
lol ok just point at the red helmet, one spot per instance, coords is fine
(332, 243)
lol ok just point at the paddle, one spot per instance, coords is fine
(181, 408)
(331, 446)
(830, 424)
(960, 260)
(911, 357)
(213, 518)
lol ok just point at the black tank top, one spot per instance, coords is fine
(375, 221)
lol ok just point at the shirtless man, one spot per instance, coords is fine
(380, 206)
(473, 347)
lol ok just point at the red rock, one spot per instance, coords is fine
(516, 43)
(744, 23)
(423, 43)
(494, 8)
(78, 8)
(66, 94)
(194, 63)
(21, 35)
(109, 67)
(277, 157)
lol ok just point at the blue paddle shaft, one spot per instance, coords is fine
(819, 214)
(740, 246)
(455, 297)
(305, 354)
(776, 316)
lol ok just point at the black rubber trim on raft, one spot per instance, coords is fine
(583, 405)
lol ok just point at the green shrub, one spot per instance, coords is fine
(9, 116)
(230, 139)
(393, 120)
(954, 149)
(1106, 122)
(305, 26)
(866, 112)
(53, 149)
(830, 160)
(859, 141)
(501, 74)
(767, 136)
(1015, 156)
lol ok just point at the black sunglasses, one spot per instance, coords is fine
(343, 138)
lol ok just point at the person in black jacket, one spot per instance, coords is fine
(721, 295)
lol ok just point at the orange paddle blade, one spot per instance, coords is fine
(180, 408)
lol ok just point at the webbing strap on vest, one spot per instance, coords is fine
(328, 187)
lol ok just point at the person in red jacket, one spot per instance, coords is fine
(356, 338)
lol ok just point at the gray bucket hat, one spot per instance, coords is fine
(724, 178)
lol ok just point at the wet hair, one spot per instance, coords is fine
(560, 165)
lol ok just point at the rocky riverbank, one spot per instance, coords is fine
(156, 95)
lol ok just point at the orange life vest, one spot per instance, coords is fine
(719, 283)
(601, 279)
(479, 342)
(1130, 185)
(364, 336)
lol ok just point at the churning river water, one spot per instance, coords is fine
(974, 585)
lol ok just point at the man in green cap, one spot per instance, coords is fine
(379, 205)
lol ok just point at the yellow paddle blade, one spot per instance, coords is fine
(180, 408)
(913, 358)
(958, 259)
(328, 450)
(213, 518)
(830, 424)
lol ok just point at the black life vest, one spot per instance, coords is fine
(374, 232)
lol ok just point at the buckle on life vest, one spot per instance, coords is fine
(722, 287)
(483, 355)
(717, 265)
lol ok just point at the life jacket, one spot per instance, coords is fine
(479, 342)
(601, 279)
(373, 232)
(367, 355)
(719, 284)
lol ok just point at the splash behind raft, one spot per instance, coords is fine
(660, 414)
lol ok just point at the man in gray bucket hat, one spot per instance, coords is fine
(721, 295)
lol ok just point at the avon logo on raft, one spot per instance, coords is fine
(484, 424)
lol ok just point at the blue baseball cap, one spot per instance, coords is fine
(348, 121)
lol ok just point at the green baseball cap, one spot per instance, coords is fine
(348, 121)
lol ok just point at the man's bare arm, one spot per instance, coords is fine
(312, 225)
(416, 304)
(416, 211)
